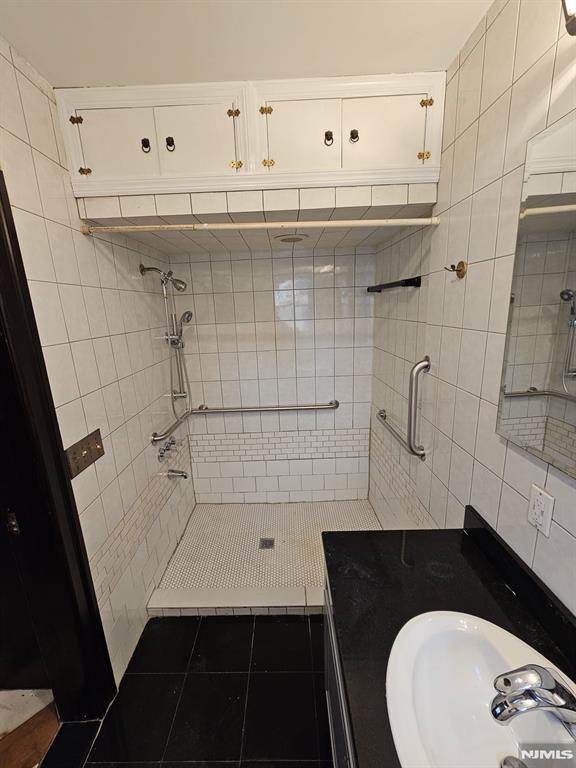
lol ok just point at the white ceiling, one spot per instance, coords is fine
(127, 42)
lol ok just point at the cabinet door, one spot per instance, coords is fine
(196, 140)
(297, 135)
(383, 132)
(114, 142)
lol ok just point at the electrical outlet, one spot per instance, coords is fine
(540, 508)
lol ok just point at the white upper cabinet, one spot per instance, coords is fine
(384, 129)
(196, 140)
(383, 132)
(117, 143)
(303, 135)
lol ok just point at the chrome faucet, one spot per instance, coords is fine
(531, 688)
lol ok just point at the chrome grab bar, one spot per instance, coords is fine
(157, 437)
(332, 405)
(410, 441)
(541, 393)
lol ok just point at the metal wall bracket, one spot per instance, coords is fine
(427, 102)
(76, 119)
(424, 155)
(233, 113)
(265, 110)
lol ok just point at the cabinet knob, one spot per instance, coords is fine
(354, 136)
(170, 144)
(328, 138)
(146, 145)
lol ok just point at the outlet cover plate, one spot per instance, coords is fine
(540, 508)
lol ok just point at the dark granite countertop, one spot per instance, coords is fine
(380, 579)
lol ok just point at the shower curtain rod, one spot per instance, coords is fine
(547, 210)
(252, 225)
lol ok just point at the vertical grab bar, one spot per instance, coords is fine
(421, 367)
(410, 442)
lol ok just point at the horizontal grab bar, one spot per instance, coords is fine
(204, 409)
(542, 393)
(157, 437)
(383, 417)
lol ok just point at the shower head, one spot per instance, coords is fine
(180, 285)
(567, 294)
(186, 317)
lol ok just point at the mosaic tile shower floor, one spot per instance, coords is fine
(221, 545)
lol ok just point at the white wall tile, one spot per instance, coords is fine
(537, 31)
(469, 88)
(528, 107)
(38, 118)
(491, 142)
(11, 112)
(563, 488)
(554, 562)
(563, 98)
(463, 171)
(499, 54)
(61, 373)
(513, 524)
(18, 167)
(490, 447)
(485, 494)
(522, 470)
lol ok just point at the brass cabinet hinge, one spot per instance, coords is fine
(426, 102)
(265, 110)
(233, 113)
(424, 155)
(76, 120)
(267, 163)
(84, 171)
(236, 164)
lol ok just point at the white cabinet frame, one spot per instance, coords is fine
(251, 131)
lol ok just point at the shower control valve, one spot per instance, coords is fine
(166, 448)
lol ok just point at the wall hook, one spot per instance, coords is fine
(460, 269)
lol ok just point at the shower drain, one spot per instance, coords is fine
(266, 544)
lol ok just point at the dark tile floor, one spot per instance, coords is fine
(237, 691)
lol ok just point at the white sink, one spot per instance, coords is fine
(439, 685)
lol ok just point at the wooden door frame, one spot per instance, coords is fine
(49, 545)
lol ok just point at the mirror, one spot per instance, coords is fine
(537, 408)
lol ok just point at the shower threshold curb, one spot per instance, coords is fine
(235, 601)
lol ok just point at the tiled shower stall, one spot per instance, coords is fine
(292, 327)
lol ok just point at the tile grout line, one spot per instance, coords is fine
(181, 691)
(243, 734)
